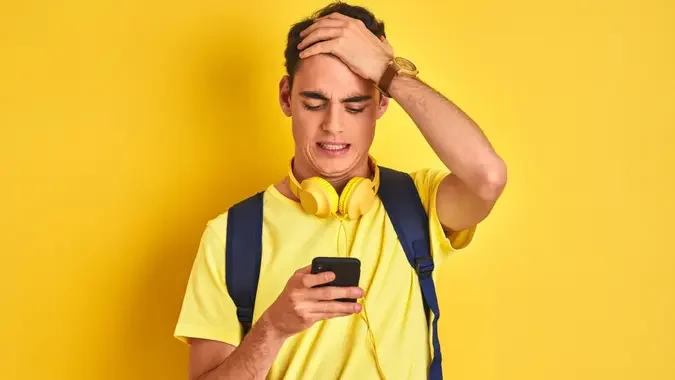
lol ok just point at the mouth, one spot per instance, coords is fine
(333, 149)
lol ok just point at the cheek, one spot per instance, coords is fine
(365, 126)
(303, 126)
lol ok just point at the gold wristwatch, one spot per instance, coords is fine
(398, 66)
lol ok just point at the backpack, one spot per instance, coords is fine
(243, 249)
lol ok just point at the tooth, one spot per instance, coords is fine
(333, 146)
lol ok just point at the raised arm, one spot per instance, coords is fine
(478, 177)
(478, 174)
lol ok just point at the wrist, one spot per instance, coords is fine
(384, 63)
(269, 329)
(399, 84)
(397, 70)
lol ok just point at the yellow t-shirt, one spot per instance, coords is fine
(338, 348)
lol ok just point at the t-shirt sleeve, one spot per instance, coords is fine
(427, 182)
(208, 311)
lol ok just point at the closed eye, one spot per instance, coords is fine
(312, 108)
(355, 110)
(318, 107)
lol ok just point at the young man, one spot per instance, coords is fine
(339, 66)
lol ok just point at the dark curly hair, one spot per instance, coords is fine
(291, 53)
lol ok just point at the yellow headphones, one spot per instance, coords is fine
(318, 197)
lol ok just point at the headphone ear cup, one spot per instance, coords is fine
(318, 197)
(357, 197)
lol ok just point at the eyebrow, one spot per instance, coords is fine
(321, 96)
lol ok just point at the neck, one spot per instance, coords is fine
(338, 180)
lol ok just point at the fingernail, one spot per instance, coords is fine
(357, 307)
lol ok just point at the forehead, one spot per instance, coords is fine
(330, 75)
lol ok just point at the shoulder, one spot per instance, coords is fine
(428, 178)
(421, 176)
(217, 227)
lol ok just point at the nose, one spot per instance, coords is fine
(332, 122)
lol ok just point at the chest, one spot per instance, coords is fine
(291, 241)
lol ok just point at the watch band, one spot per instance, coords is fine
(386, 79)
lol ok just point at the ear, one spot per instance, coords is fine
(285, 95)
(382, 106)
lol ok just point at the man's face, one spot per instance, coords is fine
(333, 115)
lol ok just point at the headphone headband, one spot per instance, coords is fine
(295, 185)
(318, 197)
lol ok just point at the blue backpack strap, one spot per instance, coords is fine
(405, 210)
(243, 251)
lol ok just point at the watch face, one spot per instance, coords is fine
(405, 64)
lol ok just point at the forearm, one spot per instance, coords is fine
(454, 137)
(252, 359)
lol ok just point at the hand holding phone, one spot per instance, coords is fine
(309, 297)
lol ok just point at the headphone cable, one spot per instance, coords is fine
(364, 314)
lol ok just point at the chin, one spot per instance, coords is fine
(335, 160)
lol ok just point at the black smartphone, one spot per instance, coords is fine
(347, 271)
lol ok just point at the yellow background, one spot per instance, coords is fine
(124, 126)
